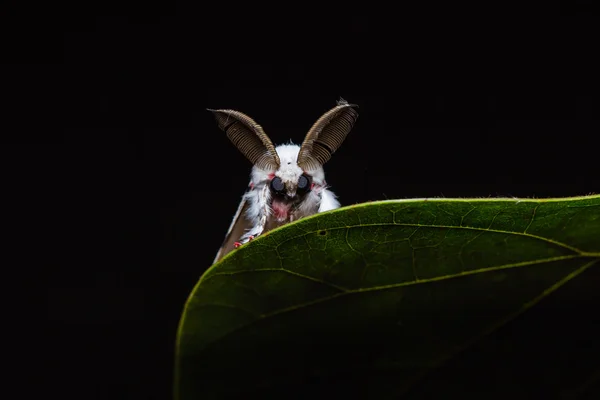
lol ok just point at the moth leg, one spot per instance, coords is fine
(257, 213)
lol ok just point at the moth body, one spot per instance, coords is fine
(287, 182)
(292, 202)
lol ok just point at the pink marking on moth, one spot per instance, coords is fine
(251, 185)
(250, 237)
(280, 210)
(236, 244)
(312, 186)
(271, 175)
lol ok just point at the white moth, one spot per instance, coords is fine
(287, 182)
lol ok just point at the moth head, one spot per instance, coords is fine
(301, 166)
(289, 182)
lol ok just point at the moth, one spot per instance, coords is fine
(287, 182)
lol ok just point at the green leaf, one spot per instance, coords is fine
(369, 299)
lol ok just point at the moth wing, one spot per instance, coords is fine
(239, 226)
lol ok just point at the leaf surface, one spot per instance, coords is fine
(368, 299)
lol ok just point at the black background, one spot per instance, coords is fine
(463, 104)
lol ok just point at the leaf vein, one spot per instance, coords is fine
(422, 281)
(310, 278)
(532, 218)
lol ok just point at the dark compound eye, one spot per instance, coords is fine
(277, 185)
(303, 182)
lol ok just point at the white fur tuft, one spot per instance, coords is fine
(288, 171)
(328, 201)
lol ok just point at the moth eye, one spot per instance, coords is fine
(277, 185)
(303, 183)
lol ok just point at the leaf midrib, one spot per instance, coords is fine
(408, 283)
(346, 291)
